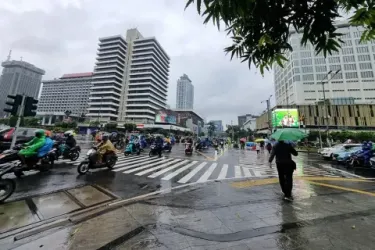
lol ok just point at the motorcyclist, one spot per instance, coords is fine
(32, 146)
(159, 145)
(105, 147)
(47, 145)
(70, 141)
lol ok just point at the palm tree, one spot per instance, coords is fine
(211, 128)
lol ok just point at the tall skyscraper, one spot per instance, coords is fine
(299, 82)
(130, 81)
(185, 93)
(19, 77)
(69, 93)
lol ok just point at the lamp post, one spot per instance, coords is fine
(324, 99)
(268, 113)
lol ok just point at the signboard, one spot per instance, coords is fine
(140, 125)
(285, 118)
(165, 116)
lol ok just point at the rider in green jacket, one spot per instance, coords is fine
(32, 146)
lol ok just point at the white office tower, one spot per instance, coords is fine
(147, 79)
(108, 78)
(185, 93)
(130, 81)
(299, 82)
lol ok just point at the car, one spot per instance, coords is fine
(328, 153)
(23, 135)
(343, 156)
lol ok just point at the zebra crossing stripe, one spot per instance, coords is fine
(167, 169)
(178, 171)
(237, 172)
(223, 172)
(187, 177)
(120, 168)
(158, 167)
(127, 160)
(246, 172)
(144, 167)
(208, 173)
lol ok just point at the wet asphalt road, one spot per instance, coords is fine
(138, 175)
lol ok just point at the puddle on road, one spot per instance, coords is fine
(17, 214)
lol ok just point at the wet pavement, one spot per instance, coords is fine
(228, 199)
(327, 213)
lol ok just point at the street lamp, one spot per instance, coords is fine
(324, 100)
(268, 113)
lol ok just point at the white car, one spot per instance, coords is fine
(327, 153)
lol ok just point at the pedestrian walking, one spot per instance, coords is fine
(269, 147)
(257, 147)
(285, 166)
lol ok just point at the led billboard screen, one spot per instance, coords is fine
(285, 118)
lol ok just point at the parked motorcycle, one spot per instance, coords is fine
(132, 148)
(92, 161)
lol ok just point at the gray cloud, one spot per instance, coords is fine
(61, 37)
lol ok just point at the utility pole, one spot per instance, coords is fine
(269, 119)
(20, 114)
(231, 124)
(325, 103)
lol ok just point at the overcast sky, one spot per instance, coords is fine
(61, 36)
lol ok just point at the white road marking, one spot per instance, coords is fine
(157, 167)
(178, 171)
(246, 172)
(237, 171)
(208, 173)
(223, 172)
(168, 169)
(120, 168)
(187, 177)
(144, 167)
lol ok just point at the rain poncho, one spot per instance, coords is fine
(33, 146)
(106, 147)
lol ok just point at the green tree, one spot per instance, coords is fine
(94, 123)
(260, 29)
(202, 134)
(110, 127)
(211, 128)
(31, 122)
(130, 127)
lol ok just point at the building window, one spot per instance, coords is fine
(320, 60)
(306, 54)
(367, 74)
(321, 68)
(306, 61)
(334, 59)
(307, 69)
(308, 77)
(350, 67)
(347, 43)
(365, 66)
(362, 58)
(334, 67)
(337, 76)
(351, 75)
(349, 59)
(347, 51)
(362, 49)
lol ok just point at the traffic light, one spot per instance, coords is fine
(30, 107)
(14, 104)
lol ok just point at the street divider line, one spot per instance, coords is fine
(342, 188)
(207, 157)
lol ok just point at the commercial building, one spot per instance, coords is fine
(190, 119)
(185, 93)
(242, 119)
(340, 117)
(19, 77)
(299, 82)
(130, 81)
(218, 125)
(68, 93)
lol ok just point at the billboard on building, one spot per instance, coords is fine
(165, 116)
(285, 118)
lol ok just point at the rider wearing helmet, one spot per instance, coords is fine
(105, 146)
(33, 146)
(70, 142)
(47, 145)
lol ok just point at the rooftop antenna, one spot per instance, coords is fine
(9, 55)
(21, 58)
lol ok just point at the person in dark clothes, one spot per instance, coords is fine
(285, 166)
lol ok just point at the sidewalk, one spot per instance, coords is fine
(327, 213)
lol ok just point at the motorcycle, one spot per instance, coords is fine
(154, 150)
(7, 186)
(199, 146)
(188, 149)
(92, 161)
(60, 150)
(11, 155)
(167, 147)
(132, 148)
(119, 144)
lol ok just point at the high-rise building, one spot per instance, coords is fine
(69, 93)
(130, 81)
(299, 82)
(218, 125)
(185, 93)
(242, 119)
(19, 78)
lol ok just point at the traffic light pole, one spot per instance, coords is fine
(20, 114)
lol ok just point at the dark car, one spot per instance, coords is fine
(23, 135)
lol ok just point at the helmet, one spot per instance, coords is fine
(48, 133)
(39, 133)
(69, 133)
(105, 137)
